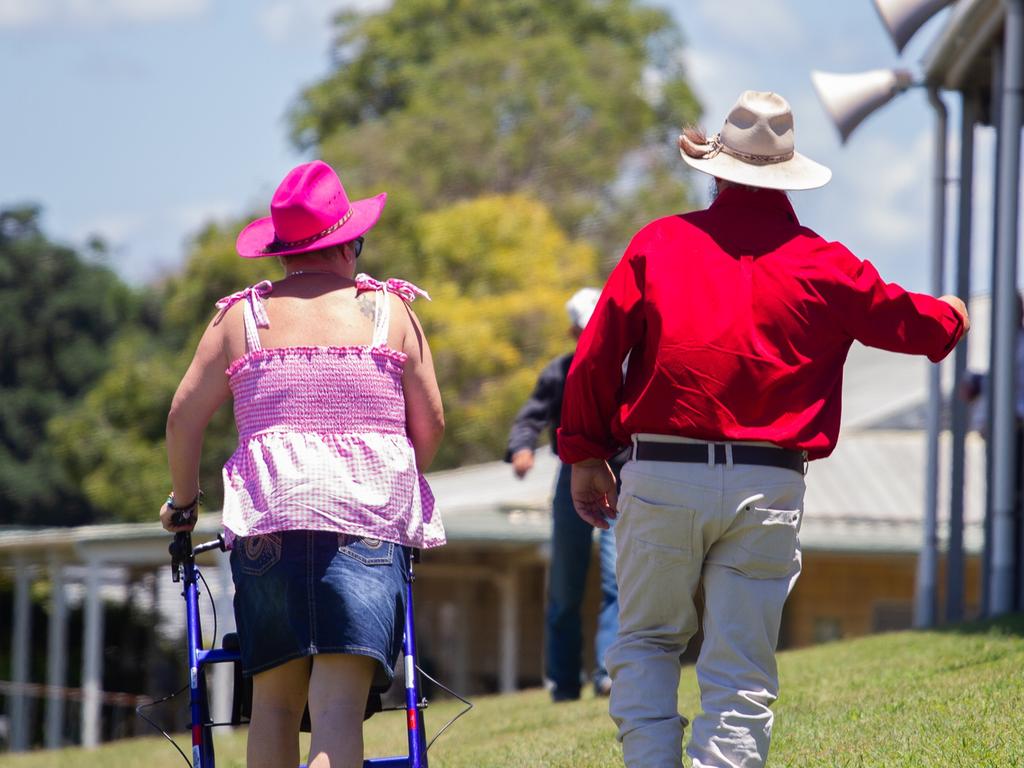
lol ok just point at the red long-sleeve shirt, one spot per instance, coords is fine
(738, 321)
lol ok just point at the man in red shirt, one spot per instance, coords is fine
(737, 321)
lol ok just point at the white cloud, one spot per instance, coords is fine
(21, 13)
(148, 245)
(283, 21)
(24, 13)
(889, 179)
(763, 24)
(190, 218)
(113, 228)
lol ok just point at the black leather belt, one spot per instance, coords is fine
(697, 453)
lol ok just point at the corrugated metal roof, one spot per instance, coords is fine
(868, 496)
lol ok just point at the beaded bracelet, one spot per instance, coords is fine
(184, 512)
(191, 505)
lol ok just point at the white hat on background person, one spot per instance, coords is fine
(756, 147)
(581, 306)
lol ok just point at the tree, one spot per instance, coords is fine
(60, 313)
(112, 441)
(520, 141)
(499, 271)
(571, 103)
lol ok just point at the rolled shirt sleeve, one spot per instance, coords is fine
(886, 316)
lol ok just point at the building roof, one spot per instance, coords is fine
(961, 56)
(868, 496)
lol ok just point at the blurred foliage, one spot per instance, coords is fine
(499, 271)
(112, 441)
(60, 313)
(522, 142)
(575, 103)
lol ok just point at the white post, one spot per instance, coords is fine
(56, 659)
(223, 679)
(928, 561)
(508, 649)
(462, 646)
(92, 656)
(22, 633)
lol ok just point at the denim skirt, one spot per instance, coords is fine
(299, 593)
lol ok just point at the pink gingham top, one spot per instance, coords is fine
(322, 441)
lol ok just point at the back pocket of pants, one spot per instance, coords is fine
(367, 551)
(661, 529)
(770, 539)
(258, 554)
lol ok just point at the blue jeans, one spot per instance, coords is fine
(300, 593)
(571, 545)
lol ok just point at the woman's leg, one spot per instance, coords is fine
(278, 700)
(338, 689)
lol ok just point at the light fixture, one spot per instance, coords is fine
(902, 18)
(848, 99)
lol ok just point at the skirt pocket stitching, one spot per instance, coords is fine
(258, 554)
(384, 552)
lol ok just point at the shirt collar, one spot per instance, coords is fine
(768, 200)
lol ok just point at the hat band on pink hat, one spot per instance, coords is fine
(304, 215)
(287, 245)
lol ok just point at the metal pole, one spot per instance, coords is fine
(508, 642)
(92, 656)
(927, 563)
(955, 556)
(995, 110)
(20, 652)
(56, 657)
(1007, 325)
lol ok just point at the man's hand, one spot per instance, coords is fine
(959, 307)
(593, 492)
(522, 462)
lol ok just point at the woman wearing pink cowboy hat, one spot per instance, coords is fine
(338, 415)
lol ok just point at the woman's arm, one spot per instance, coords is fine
(202, 390)
(424, 413)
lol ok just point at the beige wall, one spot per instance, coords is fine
(847, 595)
(458, 609)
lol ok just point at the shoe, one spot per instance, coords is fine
(603, 686)
(560, 696)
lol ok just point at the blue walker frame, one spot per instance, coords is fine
(184, 568)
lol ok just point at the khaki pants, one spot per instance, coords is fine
(733, 528)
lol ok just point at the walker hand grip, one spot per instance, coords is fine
(180, 550)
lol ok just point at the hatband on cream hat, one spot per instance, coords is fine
(756, 147)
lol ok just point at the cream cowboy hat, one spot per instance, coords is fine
(755, 147)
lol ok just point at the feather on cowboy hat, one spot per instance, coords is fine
(756, 147)
(310, 210)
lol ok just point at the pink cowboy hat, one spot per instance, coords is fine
(310, 211)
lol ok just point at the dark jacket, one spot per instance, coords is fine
(543, 409)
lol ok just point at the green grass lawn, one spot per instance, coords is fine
(950, 698)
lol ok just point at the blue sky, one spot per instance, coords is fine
(140, 119)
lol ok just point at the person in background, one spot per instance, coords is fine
(976, 390)
(571, 538)
(737, 320)
(338, 415)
